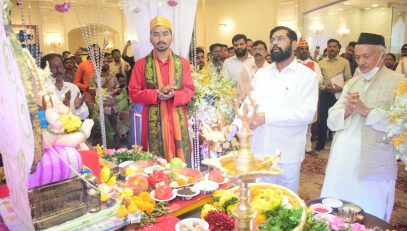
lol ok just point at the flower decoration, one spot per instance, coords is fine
(107, 177)
(172, 3)
(224, 200)
(219, 221)
(120, 156)
(71, 123)
(335, 223)
(271, 208)
(63, 7)
(100, 150)
(214, 97)
(206, 209)
(397, 118)
(212, 106)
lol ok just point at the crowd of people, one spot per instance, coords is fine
(300, 97)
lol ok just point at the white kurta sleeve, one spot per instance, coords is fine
(336, 114)
(225, 70)
(298, 113)
(83, 111)
(377, 120)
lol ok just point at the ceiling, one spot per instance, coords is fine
(342, 9)
(373, 3)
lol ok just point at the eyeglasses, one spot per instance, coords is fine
(278, 39)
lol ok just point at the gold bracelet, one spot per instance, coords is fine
(55, 132)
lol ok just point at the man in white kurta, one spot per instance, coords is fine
(233, 66)
(287, 94)
(361, 167)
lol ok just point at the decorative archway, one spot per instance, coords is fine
(76, 41)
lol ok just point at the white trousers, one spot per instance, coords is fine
(290, 178)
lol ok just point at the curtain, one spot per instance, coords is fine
(139, 13)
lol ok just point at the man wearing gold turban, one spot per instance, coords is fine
(162, 83)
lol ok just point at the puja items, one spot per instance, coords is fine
(56, 203)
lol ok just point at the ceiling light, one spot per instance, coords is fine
(382, 8)
(375, 5)
(346, 3)
(367, 8)
(340, 9)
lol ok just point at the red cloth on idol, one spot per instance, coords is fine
(139, 94)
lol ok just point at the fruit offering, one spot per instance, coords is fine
(138, 183)
(163, 192)
(176, 163)
(158, 177)
(184, 176)
(216, 175)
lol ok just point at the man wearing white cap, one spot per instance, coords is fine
(162, 83)
(361, 167)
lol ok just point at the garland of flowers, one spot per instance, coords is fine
(397, 129)
(71, 122)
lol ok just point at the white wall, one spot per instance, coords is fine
(252, 18)
(332, 20)
(54, 24)
(334, 17)
(377, 21)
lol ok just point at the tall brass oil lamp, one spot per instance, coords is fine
(243, 167)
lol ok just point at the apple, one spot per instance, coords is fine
(163, 192)
(176, 163)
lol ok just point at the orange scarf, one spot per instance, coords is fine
(168, 152)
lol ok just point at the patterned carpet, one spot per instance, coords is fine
(312, 177)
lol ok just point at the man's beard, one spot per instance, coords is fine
(240, 52)
(158, 48)
(302, 57)
(281, 55)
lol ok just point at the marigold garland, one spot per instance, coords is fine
(71, 123)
